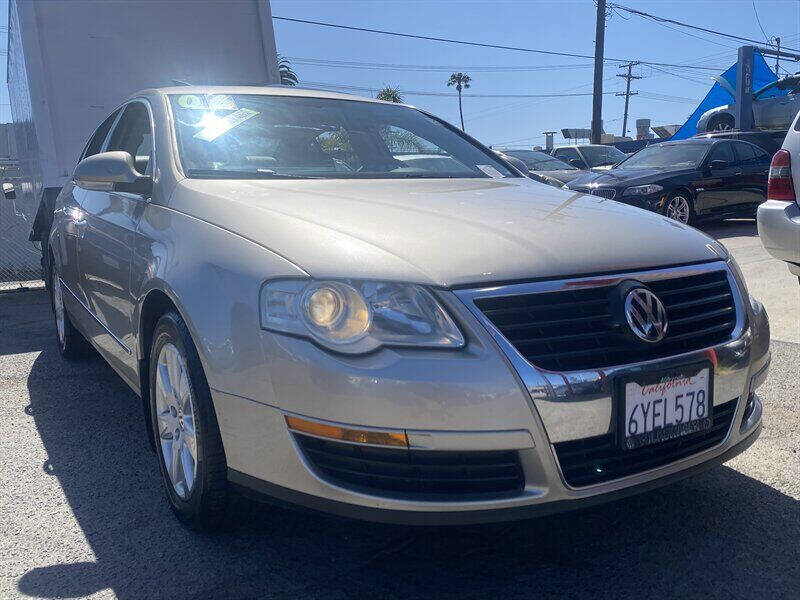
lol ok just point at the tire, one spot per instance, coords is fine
(71, 344)
(182, 417)
(680, 207)
(722, 122)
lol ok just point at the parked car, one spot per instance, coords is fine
(309, 318)
(542, 166)
(779, 216)
(776, 112)
(514, 162)
(687, 180)
(590, 156)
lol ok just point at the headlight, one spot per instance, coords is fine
(642, 190)
(358, 316)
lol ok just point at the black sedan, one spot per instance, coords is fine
(542, 167)
(688, 180)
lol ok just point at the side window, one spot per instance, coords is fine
(724, 152)
(746, 154)
(567, 154)
(133, 135)
(763, 157)
(96, 142)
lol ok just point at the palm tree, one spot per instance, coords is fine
(390, 94)
(461, 81)
(288, 76)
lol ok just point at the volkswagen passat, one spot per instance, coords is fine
(310, 314)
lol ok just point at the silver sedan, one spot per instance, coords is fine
(310, 313)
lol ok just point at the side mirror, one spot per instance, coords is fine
(112, 172)
(718, 165)
(577, 163)
(9, 192)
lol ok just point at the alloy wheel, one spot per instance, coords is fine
(58, 307)
(678, 209)
(176, 420)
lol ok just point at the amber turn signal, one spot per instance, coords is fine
(359, 436)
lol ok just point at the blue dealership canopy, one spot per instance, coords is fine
(718, 95)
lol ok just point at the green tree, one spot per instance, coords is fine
(288, 76)
(461, 81)
(390, 94)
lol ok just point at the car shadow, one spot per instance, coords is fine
(26, 321)
(730, 228)
(721, 534)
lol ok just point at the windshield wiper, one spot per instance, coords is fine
(234, 174)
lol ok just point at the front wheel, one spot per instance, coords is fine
(71, 344)
(188, 440)
(679, 206)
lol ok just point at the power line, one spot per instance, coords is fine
(321, 62)
(447, 94)
(755, 10)
(477, 44)
(658, 19)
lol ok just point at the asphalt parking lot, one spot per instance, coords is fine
(82, 512)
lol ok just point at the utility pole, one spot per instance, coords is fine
(778, 56)
(597, 99)
(628, 93)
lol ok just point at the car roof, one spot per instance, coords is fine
(258, 90)
(690, 141)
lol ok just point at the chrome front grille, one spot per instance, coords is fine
(576, 326)
(607, 193)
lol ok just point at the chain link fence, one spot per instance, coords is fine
(20, 259)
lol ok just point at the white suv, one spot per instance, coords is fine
(779, 216)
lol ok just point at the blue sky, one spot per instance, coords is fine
(561, 26)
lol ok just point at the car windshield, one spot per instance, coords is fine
(242, 136)
(601, 156)
(674, 156)
(539, 161)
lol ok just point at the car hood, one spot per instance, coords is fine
(443, 232)
(615, 177)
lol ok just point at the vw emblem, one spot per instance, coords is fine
(645, 314)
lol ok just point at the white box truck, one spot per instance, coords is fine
(71, 63)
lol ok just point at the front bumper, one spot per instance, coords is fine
(478, 399)
(779, 230)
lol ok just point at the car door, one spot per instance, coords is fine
(70, 220)
(718, 187)
(753, 165)
(776, 112)
(106, 248)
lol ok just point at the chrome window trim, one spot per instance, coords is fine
(579, 404)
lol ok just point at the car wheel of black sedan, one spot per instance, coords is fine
(679, 206)
(188, 440)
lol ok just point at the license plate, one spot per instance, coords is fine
(662, 406)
